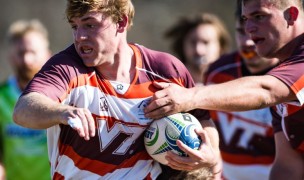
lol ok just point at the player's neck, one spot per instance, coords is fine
(123, 68)
(262, 67)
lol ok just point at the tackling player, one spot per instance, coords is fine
(276, 27)
(246, 138)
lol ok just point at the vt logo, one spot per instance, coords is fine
(103, 104)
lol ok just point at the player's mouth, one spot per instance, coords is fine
(248, 54)
(257, 40)
(200, 60)
(85, 50)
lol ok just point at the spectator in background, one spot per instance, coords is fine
(24, 151)
(246, 138)
(198, 41)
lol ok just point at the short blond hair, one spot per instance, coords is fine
(113, 8)
(20, 28)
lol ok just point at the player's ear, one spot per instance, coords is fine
(293, 14)
(122, 23)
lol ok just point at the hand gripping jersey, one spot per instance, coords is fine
(246, 138)
(24, 150)
(117, 151)
(289, 116)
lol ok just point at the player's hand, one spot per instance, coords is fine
(206, 156)
(81, 120)
(171, 99)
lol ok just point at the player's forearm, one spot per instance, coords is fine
(238, 95)
(37, 111)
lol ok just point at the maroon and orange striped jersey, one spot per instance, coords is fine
(289, 117)
(246, 138)
(117, 151)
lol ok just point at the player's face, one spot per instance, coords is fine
(247, 50)
(266, 26)
(28, 55)
(95, 38)
(202, 46)
(245, 45)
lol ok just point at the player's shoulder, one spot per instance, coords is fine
(163, 64)
(66, 59)
(65, 56)
(158, 56)
(160, 60)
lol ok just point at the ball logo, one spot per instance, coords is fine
(161, 136)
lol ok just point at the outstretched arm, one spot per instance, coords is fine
(37, 111)
(242, 94)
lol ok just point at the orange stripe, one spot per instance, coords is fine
(245, 159)
(137, 55)
(135, 90)
(298, 85)
(80, 81)
(95, 166)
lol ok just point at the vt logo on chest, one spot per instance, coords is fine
(243, 126)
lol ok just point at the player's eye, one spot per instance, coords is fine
(90, 26)
(259, 17)
(74, 27)
(244, 19)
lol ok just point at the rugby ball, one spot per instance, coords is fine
(162, 134)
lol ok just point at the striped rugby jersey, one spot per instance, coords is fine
(289, 117)
(117, 151)
(246, 138)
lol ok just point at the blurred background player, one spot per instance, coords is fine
(246, 138)
(24, 151)
(198, 41)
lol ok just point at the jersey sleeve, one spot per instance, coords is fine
(292, 74)
(55, 77)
